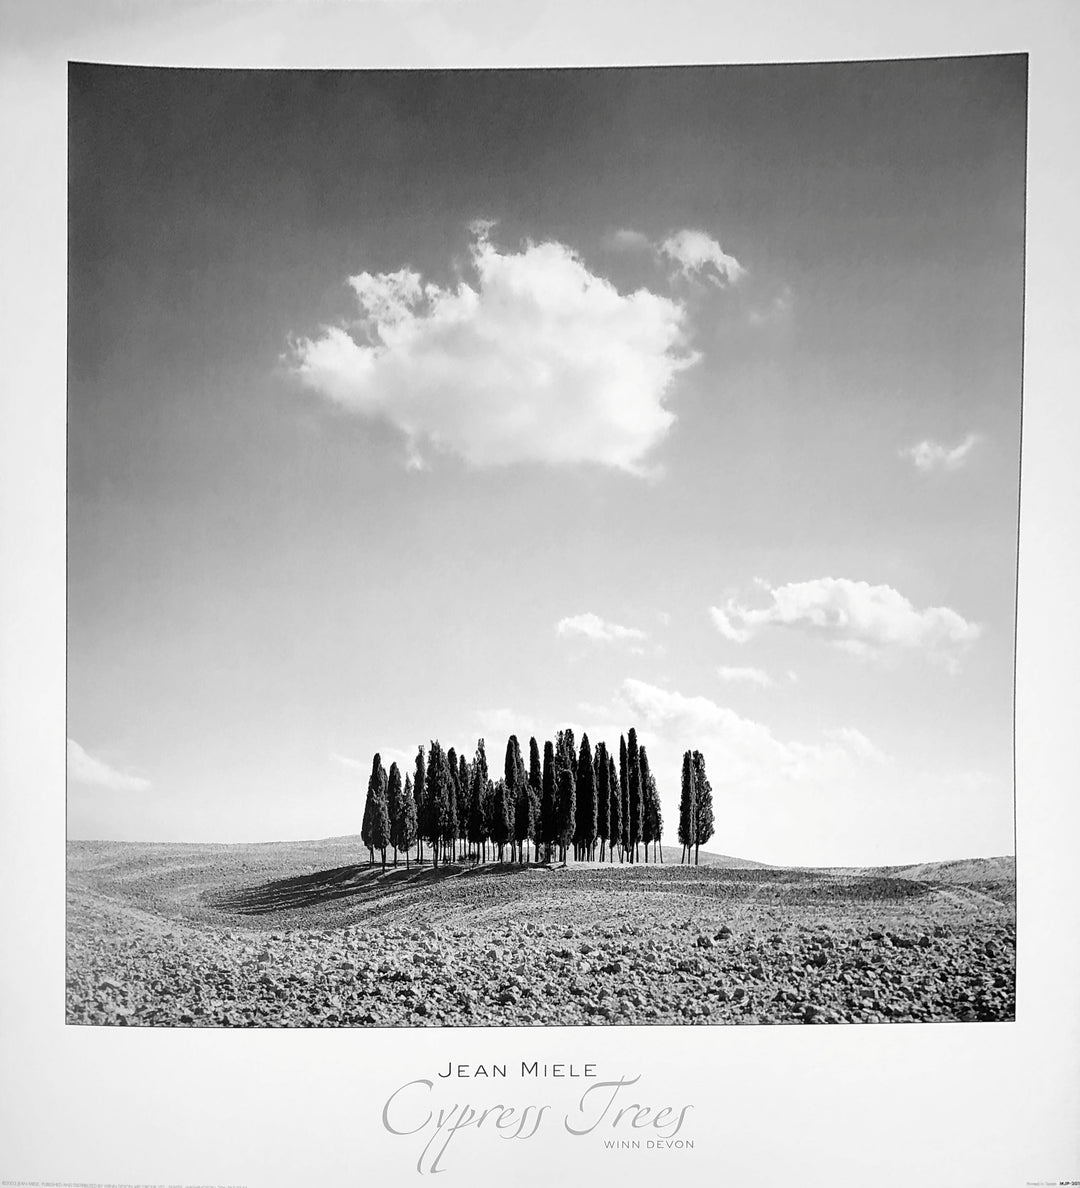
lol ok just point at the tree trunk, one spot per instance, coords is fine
(696, 847)
(384, 859)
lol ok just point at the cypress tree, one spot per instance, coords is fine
(380, 813)
(476, 833)
(464, 790)
(524, 824)
(536, 788)
(687, 806)
(438, 798)
(420, 796)
(614, 809)
(603, 795)
(624, 796)
(585, 806)
(548, 823)
(634, 765)
(703, 805)
(376, 787)
(657, 818)
(483, 786)
(565, 793)
(450, 825)
(406, 827)
(648, 806)
(393, 805)
(516, 781)
(500, 818)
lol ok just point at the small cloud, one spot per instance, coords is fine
(84, 768)
(776, 309)
(863, 620)
(726, 627)
(857, 743)
(600, 630)
(749, 676)
(698, 254)
(931, 455)
(350, 763)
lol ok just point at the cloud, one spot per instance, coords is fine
(751, 676)
(727, 629)
(698, 254)
(868, 621)
(776, 309)
(600, 630)
(857, 743)
(539, 360)
(502, 722)
(737, 750)
(931, 455)
(84, 768)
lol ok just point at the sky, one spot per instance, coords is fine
(448, 404)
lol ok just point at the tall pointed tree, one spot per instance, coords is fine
(501, 817)
(437, 799)
(420, 796)
(464, 791)
(516, 781)
(687, 807)
(450, 825)
(624, 794)
(565, 794)
(634, 772)
(585, 806)
(393, 805)
(649, 808)
(406, 824)
(615, 828)
(603, 794)
(380, 813)
(547, 830)
(703, 805)
(376, 788)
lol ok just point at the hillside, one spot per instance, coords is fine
(302, 935)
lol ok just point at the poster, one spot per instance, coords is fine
(973, 1103)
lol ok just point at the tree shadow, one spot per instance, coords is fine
(358, 882)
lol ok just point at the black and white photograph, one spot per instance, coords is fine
(538, 550)
(542, 544)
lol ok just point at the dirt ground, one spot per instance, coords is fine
(307, 934)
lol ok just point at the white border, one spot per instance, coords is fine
(967, 1104)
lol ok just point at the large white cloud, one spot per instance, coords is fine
(84, 768)
(591, 626)
(736, 749)
(932, 455)
(867, 620)
(538, 360)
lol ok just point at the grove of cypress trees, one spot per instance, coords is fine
(547, 828)
(634, 766)
(687, 806)
(603, 795)
(585, 805)
(393, 805)
(614, 810)
(406, 822)
(703, 805)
